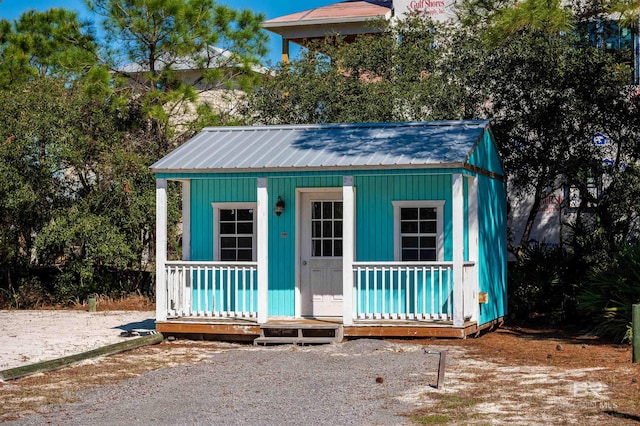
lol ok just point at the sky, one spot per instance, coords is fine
(11, 9)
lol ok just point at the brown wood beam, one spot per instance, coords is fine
(207, 328)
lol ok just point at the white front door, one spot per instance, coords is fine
(321, 254)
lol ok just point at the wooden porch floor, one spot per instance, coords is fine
(238, 329)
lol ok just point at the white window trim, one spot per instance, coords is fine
(438, 205)
(216, 226)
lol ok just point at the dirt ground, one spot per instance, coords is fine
(538, 376)
(511, 376)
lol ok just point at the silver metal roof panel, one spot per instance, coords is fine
(363, 145)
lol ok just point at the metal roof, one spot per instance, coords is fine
(304, 147)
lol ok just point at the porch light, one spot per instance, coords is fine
(279, 208)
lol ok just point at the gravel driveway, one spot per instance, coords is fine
(357, 382)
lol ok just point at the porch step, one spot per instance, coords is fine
(300, 334)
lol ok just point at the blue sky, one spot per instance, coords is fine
(11, 9)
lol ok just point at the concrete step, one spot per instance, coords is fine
(300, 333)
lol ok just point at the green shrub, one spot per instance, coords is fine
(540, 288)
(606, 299)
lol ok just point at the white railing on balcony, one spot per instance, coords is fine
(212, 289)
(405, 291)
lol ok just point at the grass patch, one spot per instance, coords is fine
(431, 419)
(454, 402)
(446, 408)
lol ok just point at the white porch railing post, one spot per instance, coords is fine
(263, 250)
(348, 244)
(161, 249)
(457, 213)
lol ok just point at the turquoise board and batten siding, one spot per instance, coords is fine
(485, 156)
(492, 229)
(492, 250)
(374, 210)
(207, 191)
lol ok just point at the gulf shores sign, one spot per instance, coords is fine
(438, 10)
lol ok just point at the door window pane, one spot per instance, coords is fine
(326, 228)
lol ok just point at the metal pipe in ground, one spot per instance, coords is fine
(442, 363)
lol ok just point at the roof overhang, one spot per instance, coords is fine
(344, 18)
(456, 165)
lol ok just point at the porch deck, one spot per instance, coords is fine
(242, 329)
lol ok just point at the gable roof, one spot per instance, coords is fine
(355, 10)
(346, 18)
(344, 146)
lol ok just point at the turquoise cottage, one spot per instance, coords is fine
(389, 229)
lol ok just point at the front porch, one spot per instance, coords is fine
(389, 299)
(248, 330)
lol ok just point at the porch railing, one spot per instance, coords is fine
(406, 291)
(212, 289)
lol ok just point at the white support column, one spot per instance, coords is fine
(457, 208)
(263, 250)
(348, 247)
(186, 220)
(161, 249)
(473, 249)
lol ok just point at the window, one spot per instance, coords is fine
(615, 37)
(234, 228)
(326, 228)
(418, 230)
(572, 193)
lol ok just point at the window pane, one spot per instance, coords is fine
(316, 229)
(245, 242)
(428, 213)
(427, 242)
(337, 248)
(337, 229)
(316, 248)
(327, 248)
(227, 215)
(409, 255)
(427, 254)
(228, 255)
(428, 227)
(316, 210)
(245, 255)
(327, 210)
(245, 228)
(409, 213)
(327, 232)
(245, 214)
(228, 242)
(409, 227)
(337, 210)
(409, 242)
(227, 228)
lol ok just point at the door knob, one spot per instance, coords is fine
(304, 263)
